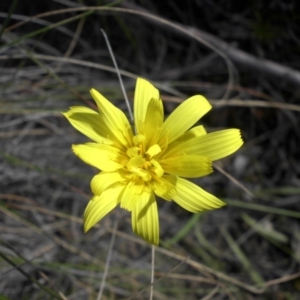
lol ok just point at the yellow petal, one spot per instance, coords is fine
(100, 206)
(190, 134)
(90, 123)
(103, 157)
(104, 180)
(184, 117)
(214, 145)
(194, 199)
(164, 186)
(190, 166)
(144, 219)
(139, 139)
(132, 194)
(219, 144)
(144, 92)
(114, 119)
(153, 121)
(194, 132)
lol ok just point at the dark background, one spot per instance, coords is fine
(44, 188)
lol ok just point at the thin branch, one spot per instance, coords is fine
(234, 180)
(237, 56)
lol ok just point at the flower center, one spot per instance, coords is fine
(142, 161)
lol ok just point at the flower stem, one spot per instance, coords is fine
(152, 271)
(108, 259)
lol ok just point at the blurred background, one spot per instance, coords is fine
(244, 57)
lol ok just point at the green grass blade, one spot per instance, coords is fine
(22, 163)
(7, 19)
(184, 230)
(256, 277)
(31, 278)
(45, 29)
(263, 230)
(205, 243)
(263, 208)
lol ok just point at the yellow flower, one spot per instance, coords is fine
(137, 167)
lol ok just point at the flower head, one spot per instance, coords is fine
(135, 167)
